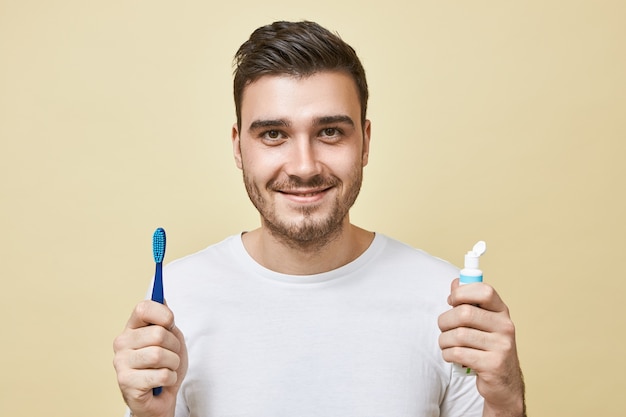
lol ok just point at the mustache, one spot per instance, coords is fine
(294, 182)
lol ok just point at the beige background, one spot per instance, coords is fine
(495, 120)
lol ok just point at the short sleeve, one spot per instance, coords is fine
(462, 398)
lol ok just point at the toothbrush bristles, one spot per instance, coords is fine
(158, 245)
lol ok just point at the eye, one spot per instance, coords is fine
(272, 134)
(331, 134)
(272, 137)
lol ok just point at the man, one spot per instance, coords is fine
(310, 315)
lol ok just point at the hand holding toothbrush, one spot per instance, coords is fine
(151, 354)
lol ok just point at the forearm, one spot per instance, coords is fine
(515, 407)
(518, 410)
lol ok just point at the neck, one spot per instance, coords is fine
(296, 258)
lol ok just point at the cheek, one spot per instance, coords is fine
(345, 164)
(260, 168)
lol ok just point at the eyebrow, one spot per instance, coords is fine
(260, 124)
(340, 118)
(320, 121)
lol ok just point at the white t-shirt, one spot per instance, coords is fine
(358, 341)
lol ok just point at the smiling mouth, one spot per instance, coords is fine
(301, 191)
(304, 193)
(305, 196)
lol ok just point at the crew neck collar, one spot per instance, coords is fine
(372, 250)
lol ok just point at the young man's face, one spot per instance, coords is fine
(302, 149)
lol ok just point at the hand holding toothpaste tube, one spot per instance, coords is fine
(479, 334)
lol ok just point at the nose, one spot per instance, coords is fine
(303, 160)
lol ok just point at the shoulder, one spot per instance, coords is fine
(222, 252)
(402, 255)
(189, 280)
(403, 269)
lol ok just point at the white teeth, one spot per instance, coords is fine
(295, 193)
(304, 194)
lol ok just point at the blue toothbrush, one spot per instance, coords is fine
(158, 251)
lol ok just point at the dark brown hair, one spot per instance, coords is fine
(299, 49)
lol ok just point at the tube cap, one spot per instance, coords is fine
(471, 257)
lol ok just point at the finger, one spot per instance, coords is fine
(153, 357)
(147, 336)
(466, 337)
(150, 312)
(137, 370)
(476, 339)
(146, 379)
(491, 353)
(479, 294)
(463, 355)
(474, 317)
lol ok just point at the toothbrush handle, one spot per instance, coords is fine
(157, 287)
(157, 295)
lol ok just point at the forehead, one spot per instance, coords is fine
(290, 97)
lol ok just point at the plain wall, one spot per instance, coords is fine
(495, 120)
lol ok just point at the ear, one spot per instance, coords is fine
(236, 146)
(367, 130)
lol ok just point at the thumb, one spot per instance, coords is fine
(453, 286)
